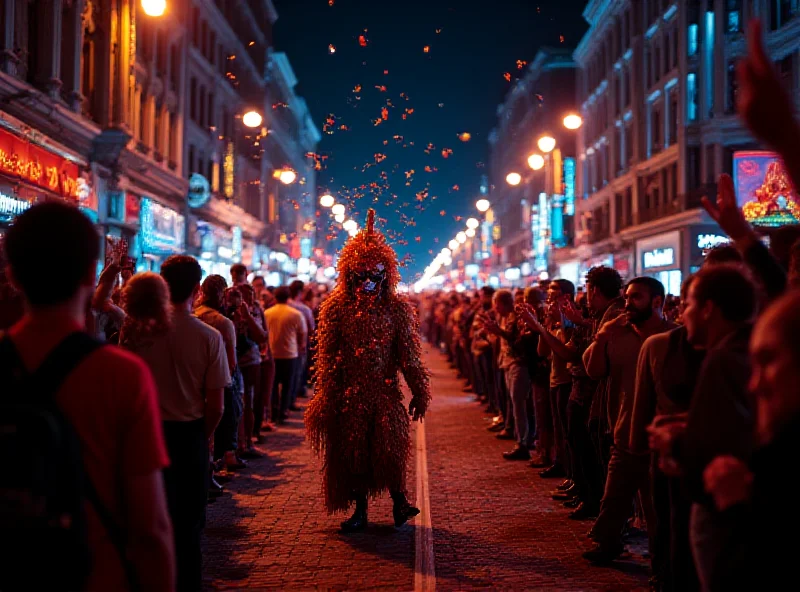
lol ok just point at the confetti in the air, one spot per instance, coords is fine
(521, 64)
(447, 152)
(331, 48)
(507, 76)
(465, 136)
(561, 38)
(426, 49)
(362, 41)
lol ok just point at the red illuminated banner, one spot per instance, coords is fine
(19, 158)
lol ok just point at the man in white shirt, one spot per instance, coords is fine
(190, 368)
(287, 340)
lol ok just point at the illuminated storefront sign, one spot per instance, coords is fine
(228, 166)
(19, 158)
(569, 186)
(658, 258)
(10, 207)
(161, 227)
(199, 190)
(709, 241)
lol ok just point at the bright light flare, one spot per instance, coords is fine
(536, 161)
(461, 237)
(154, 7)
(513, 179)
(470, 233)
(339, 218)
(252, 119)
(453, 244)
(473, 223)
(546, 144)
(326, 201)
(338, 210)
(483, 205)
(573, 121)
(287, 176)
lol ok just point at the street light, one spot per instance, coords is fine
(546, 143)
(461, 237)
(154, 7)
(338, 210)
(513, 179)
(572, 121)
(445, 252)
(350, 225)
(470, 232)
(326, 200)
(473, 223)
(453, 244)
(482, 205)
(536, 161)
(287, 176)
(339, 218)
(252, 118)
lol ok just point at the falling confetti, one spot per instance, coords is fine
(521, 64)
(447, 153)
(426, 49)
(465, 136)
(386, 72)
(561, 38)
(357, 88)
(443, 213)
(441, 105)
(331, 48)
(438, 31)
(384, 113)
(507, 76)
(380, 87)
(362, 41)
(331, 2)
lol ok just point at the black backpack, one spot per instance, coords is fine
(43, 484)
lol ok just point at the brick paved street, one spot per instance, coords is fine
(494, 525)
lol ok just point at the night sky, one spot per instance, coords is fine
(453, 88)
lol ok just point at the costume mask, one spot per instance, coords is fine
(371, 281)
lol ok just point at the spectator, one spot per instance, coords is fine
(191, 371)
(209, 310)
(513, 363)
(614, 355)
(720, 307)
(238, 274)
(757, 554)
(296, 289)
(287, 340)
(109, 398)
(252, 320)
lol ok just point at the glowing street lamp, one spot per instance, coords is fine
(350, 225)
(287, 176)
(339, 218)
(513, 179)
(252, 119)
(536, 161)
(154, 7)
(470, 233)
(338, 210)
(482, 205)
(326, 201)
(453, 244)
(473, 223)
(573, 121)
(446, 252)
(461, 237)
(546, 143)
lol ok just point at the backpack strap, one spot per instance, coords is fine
(45, 382)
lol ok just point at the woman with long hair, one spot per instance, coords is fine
(148, 312)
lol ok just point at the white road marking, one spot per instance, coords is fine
(424, 570)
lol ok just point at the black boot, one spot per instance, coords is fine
(402, 510)
(358, 521)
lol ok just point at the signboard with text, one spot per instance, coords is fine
(38, 166)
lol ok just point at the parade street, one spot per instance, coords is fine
(486, 523)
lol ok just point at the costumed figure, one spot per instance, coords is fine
(357, 421)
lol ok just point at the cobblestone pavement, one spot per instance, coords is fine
(494, 525)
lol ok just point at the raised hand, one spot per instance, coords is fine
(725, 211)
(728, 481)
(527, 315)
(761, 101)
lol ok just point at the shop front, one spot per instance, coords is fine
(161, 233)
(660, 257)
(218, 249)
(702, 238)
(31, 173)
(606, 259)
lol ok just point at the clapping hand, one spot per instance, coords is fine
(728, 481)
(571, 312)
(527, 315)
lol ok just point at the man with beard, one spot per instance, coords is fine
(357, 421)
(613, 356)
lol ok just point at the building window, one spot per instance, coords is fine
(782, 11)
(708, 54)
(734, 16)
(691, 97)
(673, 117)
(691, 40)
(656, 130)
(193, 99)
(732, 89)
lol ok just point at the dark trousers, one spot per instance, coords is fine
(285, 375)
(587, 472)
(672, 554)
(263, 402)
(299, 377)
(559, 398)
(502, 396)
(627, 474)
(226, 436)
(186, 484)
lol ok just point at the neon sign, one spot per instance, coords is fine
(659, 258)
(19, 158)
(10, 207)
